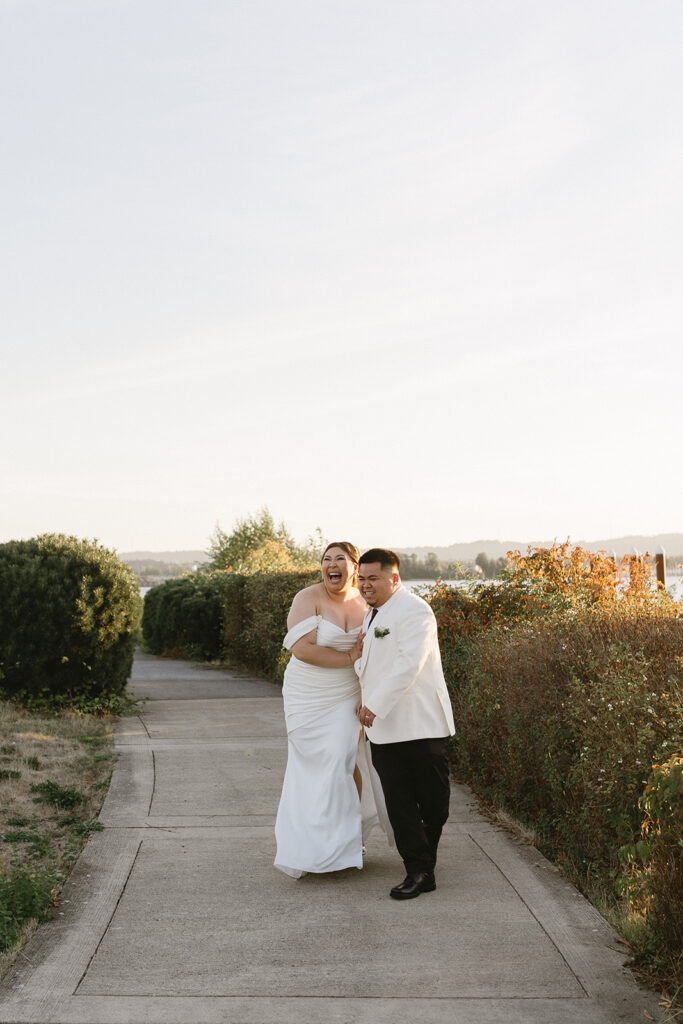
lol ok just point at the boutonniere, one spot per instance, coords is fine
(379, 633)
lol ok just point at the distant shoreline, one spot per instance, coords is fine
(468, 550)
(674, 585)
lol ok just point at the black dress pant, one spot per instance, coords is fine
(414, 777)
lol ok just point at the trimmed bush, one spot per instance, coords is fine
(234, 617)
(242, 619)
(69, 614)
(267, 600)
(184, 617)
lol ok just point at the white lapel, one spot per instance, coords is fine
(366, 647)
(370, 635)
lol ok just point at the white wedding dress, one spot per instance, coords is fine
(321, 824)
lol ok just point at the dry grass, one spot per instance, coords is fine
(521, 832)
(8, 956)
(73, 752)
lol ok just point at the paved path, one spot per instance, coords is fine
(174, 913)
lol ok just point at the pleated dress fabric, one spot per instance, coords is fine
(321, 824)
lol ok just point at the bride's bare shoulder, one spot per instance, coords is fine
(305, 604)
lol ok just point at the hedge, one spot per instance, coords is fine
(69, 615)
(566, 711)
(562, 719)
(184, 617)
(223, 615)
(266, 601)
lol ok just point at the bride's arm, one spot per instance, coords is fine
(306, 649)
(312, 653)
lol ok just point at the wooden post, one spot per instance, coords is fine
(660, 562)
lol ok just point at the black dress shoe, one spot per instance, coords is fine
(413, 885)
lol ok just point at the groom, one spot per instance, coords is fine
(407, 715)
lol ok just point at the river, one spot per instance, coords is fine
(674, 585)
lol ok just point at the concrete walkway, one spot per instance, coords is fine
(174, 913)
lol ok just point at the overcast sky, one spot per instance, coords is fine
(409, 272)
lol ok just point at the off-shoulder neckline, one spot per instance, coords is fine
(347, 632)
(321, 618)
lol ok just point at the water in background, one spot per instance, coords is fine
(414, 584)
(675, 585)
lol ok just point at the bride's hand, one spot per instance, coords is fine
(357, 648)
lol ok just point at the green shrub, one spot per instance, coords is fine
(654, 884)
(267, 600)
(184, 616)
(234, 612)
(224, 615)
(69, 613)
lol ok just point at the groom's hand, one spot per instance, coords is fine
(366, 716)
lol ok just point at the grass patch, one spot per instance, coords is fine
(58, 796)
(83, 829)
(24, 895)
(55, 769)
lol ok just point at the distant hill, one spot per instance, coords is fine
(461, 552)
(172, 557)
(467, 552)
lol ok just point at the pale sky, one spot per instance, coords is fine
(411, 272)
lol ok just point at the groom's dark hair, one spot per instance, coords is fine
(386, 558)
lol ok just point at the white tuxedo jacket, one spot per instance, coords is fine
(400, 673)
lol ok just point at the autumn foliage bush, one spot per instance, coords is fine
(567, 686)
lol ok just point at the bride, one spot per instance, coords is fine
(331, 796)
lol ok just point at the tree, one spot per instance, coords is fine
(490, 567)
(257, 544)
(432, 565)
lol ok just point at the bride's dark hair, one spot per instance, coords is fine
(347, 547)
